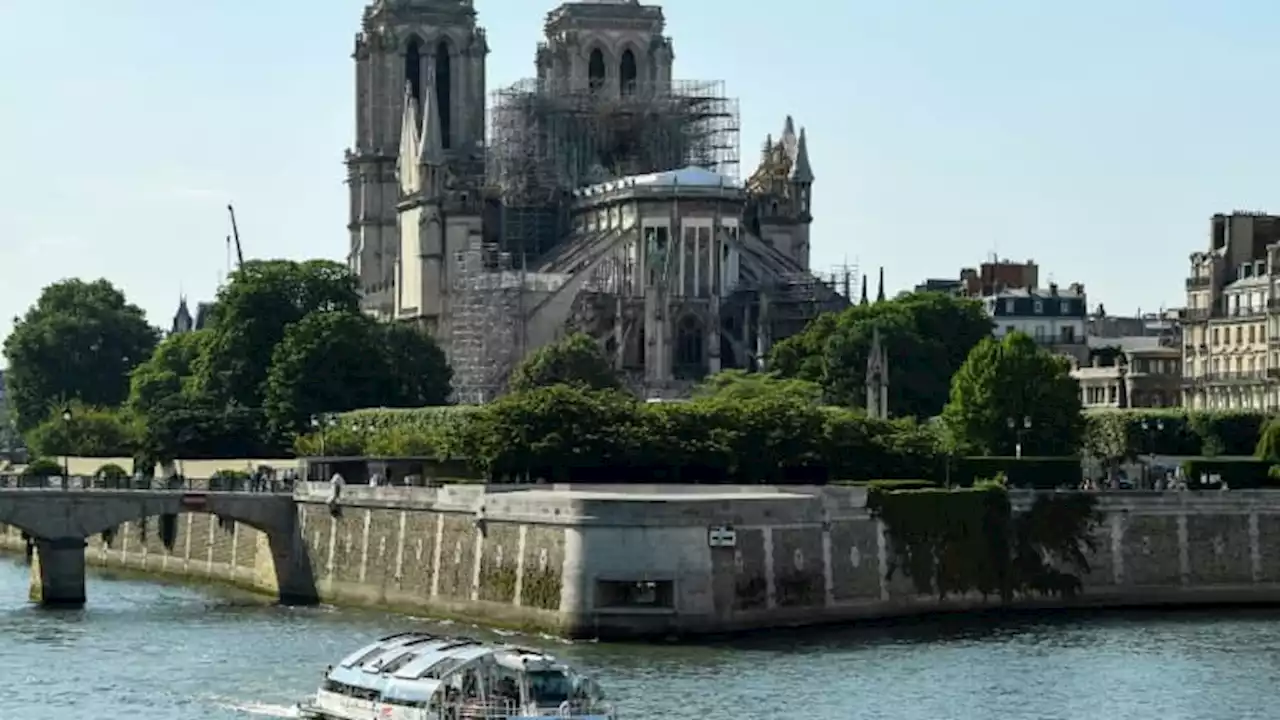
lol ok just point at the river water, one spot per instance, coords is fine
(150, 651)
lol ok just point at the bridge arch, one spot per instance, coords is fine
(59, 523)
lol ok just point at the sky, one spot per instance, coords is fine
(1095, 137)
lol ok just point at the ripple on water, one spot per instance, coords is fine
(166, 651)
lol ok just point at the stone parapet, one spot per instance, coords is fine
(621, 561)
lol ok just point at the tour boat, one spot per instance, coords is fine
(417, 676)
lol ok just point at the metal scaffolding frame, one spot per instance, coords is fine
(544, 142)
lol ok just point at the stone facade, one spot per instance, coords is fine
(599, 562)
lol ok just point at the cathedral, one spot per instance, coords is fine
(603, 196)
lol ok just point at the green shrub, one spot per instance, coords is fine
(1238, 474)
(1269, 441)
(42, 468)
(90, 432)
(1027, 472)
(899, 484)
(1125, 434)
(568, 433)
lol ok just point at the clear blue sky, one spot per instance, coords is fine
(1095, 137)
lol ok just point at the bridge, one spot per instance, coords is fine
(58, 522)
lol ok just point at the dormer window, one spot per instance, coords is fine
(1065, 307)
(1039, 307)
(1009, 306)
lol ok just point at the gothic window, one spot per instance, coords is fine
(595, 69)
(413, 68)
(689, 345)
(444, 93)
(627, 73)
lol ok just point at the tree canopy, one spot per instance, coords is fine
(340, 360)
(251, 315)
(576, 360)
(927, 336)
(79, 341)
(167, 372)
(1010, 391)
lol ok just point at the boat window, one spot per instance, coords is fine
(350, 691)
(549, 687)
(423, 704)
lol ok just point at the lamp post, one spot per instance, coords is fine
(66, 454)
(1018, 426)
(1149, 432)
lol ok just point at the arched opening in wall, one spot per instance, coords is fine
(413, 69)
(627, 73)
(444, 93)
(689, 349)
(595, 70)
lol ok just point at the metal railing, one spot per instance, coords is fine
(177, 484)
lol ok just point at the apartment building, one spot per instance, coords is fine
(1055, 318)
(1141, 371)
(1231, 331)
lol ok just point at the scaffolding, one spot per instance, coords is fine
(546, 140)
(486, 321)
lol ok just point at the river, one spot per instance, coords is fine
(168, 652)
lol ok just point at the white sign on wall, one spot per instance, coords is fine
(722, 536)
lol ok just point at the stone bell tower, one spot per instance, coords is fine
(426, 46)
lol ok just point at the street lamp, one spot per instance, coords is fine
(1149, 432)
(66, 454)
(1018, 427)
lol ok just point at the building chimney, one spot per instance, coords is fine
(1053, 289)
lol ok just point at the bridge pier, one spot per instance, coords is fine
(57, 572)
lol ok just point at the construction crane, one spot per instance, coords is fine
(235, 234)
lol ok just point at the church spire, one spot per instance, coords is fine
(864, 290)
(880, 292)
(801, 171)
(432, 138)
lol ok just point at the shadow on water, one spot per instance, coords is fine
(964, 628)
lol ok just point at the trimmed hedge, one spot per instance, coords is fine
(1239, 474)
(1120, 434)
(561, 433)
(1044, 473)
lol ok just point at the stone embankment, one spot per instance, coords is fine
(657, 561)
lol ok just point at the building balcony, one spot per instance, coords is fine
(1197, 314)
(1233, 377)
(1198, 283)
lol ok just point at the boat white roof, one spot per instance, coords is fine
(689, 177)
(419, 660)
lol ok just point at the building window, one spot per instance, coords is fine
(1039, 306)
(1252, 337)
(1239, 335)
(1040, 333)
(1216, 339)
(650, 594)
(1068, 334)
(1009, 307)
(1064, 307)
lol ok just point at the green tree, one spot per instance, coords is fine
(78, 342)
(167, 373)
(86, 432)
(338, 361)
(1012, 381)
(743, 385)
(252, 313)
(927, 336)
(417, 368)
(576, 360)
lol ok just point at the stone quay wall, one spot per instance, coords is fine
(639, 561)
